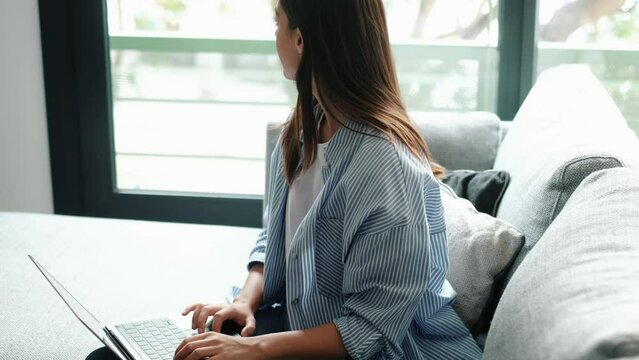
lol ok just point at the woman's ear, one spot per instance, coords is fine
(299, 41)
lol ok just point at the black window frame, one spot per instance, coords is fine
(75, 50)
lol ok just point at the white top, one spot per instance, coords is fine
(302, 194)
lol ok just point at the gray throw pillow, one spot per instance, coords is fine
(576, 295)
(480, 249)
(484, 189)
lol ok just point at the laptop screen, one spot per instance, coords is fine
(80, 311)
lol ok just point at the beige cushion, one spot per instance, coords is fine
(576, 295)
(480, 248)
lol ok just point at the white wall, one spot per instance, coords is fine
(25, 175)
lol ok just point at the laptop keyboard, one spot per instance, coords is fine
(157, 338)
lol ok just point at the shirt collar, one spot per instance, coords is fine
(347, 137)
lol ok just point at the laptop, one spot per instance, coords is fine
(154, 339)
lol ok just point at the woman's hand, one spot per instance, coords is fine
(218, 347)
(239, 311)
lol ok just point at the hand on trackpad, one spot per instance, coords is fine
(229, 327)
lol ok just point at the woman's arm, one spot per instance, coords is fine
(322, 342)
(253, 289)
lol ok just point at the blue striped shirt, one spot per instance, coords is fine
(371, 254)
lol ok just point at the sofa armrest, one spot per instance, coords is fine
(575, 294)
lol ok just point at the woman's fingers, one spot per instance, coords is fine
(196, 316)
(242, 315)
(203, 317)
(189, 345)
(249, 329)
(218, 318)
(189, 351)
(202, 353)
(205, 312)
(189, 309)
(200, 321)
(195, 308)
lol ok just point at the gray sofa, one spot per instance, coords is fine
(573, 290)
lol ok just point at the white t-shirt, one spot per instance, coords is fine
(302, 194)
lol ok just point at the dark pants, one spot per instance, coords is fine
(267, 321)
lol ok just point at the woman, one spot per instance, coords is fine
(355, 242)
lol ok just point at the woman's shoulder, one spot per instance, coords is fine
(378, 157)
(388, 183)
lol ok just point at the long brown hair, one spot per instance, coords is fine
(347, 53)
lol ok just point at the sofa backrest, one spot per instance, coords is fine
(461, 140)
(567, 128)
(468, 140)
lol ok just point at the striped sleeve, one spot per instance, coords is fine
(258, 254)
(385, 276)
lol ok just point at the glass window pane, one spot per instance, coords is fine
(195, 82)
(446, 53)
(603, 34)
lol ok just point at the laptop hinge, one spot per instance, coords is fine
(114, 339)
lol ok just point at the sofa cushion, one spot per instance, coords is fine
(575, 296)
(460, 140)
(567, 128)
(484, 189)
(480, 248)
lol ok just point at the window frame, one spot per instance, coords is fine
(75, 48)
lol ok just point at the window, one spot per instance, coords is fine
(195, 82)
(158, 108)
(603, 34)
(446, 53)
